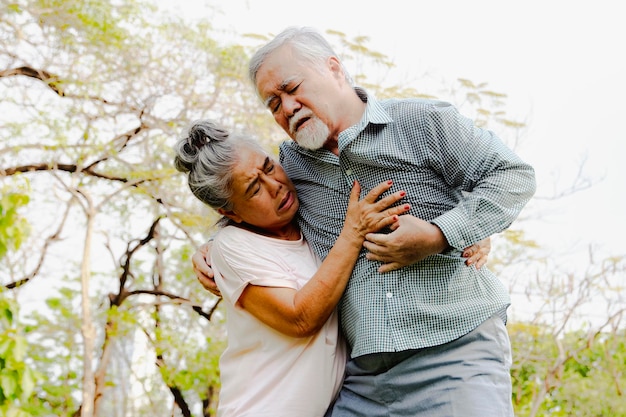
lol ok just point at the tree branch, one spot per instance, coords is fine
(176, 392)
(72, 168)
(123, 294)
(44, 251)
(195, 307)
(119, 298)
(50, 80)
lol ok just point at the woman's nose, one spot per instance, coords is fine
(272, 185)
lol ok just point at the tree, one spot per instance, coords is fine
(569, 360)
(94, 94)
(17, 379)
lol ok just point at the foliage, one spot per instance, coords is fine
(13, 227)
(570, 353)
(96, 92)
(588, 381)
(17, 379)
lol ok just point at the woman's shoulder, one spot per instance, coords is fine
(233, 237)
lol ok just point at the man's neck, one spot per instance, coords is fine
(355, 110)
(332, 145)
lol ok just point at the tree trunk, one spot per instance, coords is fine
(87, 329)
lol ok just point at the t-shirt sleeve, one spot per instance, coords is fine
(240, 259)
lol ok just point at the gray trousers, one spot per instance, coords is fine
(468, 377)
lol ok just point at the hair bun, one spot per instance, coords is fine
(203, 132)
(199, 134)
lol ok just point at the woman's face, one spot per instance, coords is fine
(263, 195)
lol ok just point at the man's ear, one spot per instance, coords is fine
(335, 67)
(230, 214)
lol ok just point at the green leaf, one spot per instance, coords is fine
(27, 383)
(8, 383)
(19, 348)
(5, 345)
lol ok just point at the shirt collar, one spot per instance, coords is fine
(374, 113)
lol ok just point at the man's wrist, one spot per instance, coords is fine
(441, 244)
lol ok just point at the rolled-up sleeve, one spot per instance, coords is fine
(496, 184)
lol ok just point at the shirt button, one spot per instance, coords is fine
(348, 172)
(389, 295)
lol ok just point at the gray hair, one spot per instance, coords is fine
(208, 154)
(306, 42)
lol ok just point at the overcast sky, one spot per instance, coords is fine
(561, 63)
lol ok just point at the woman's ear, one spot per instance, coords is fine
(230, 214)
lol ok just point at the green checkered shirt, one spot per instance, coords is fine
(457, 176)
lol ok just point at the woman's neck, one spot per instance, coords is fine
(290, 231)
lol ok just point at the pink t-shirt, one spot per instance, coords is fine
(263, 372)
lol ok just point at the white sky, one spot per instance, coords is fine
(561, 63)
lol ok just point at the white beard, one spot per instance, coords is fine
(314, 135)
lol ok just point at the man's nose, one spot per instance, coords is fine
(290, 106)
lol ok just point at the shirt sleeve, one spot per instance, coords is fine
(496, 184)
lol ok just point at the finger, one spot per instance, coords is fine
(215, 292)
(200, 258)
(204, 249)
(371, 256)
(481, 262)
(392, 266)
(201, 268)
(377, 191)
(395, 211)
(387, 221)
(376, 238)
(197, 259)
(200, 275)
(373, 248)
(355, 192)
(209, 285)
(390, 200)
(478, 259)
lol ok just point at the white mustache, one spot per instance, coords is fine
(293, 122)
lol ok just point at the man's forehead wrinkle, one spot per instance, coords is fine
(280, 87)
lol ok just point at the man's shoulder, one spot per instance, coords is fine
(414, 103)
(290, 151)
(286, 144)
(409, 111)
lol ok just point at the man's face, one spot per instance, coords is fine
(312, 134)
(301, 97)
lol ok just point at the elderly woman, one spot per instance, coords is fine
(284, 356)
